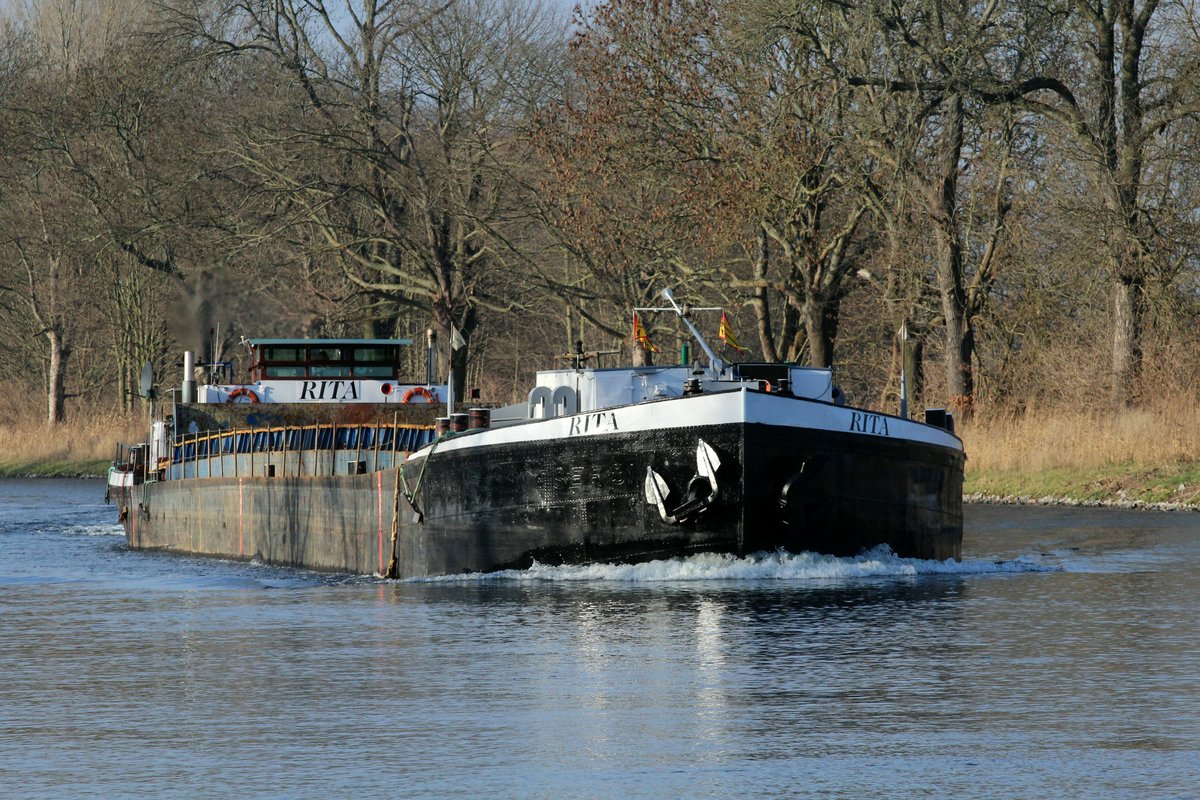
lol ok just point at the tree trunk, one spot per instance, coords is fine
(959, 329)
(794, 335)
(760, 301)
(124, 394)
(376, 328)
(960, 348)
(910, 353)
(57, 378)
(640, 356)
(914, 364)
(444, 320)
(820, 325)
(458, 372)
(1127, 338)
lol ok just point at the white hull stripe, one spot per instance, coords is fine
(743, 406)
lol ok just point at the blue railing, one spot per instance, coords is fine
(383, 438)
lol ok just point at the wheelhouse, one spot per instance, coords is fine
(308, 359)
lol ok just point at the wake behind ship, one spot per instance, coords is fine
(329, 459)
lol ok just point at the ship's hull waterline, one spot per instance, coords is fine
(646, 481)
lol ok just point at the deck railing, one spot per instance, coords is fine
(302, 447)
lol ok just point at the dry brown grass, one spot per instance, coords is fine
(85, 439)
(28, 444)
(1050, 439)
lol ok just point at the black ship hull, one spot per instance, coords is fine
(571, 503)
(736, 472)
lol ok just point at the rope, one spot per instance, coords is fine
(411, 497)
(393, 566)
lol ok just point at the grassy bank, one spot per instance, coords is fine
(79, 448)
(85, 468)
(1145, 456)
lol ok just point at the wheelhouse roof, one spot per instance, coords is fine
(329, 342)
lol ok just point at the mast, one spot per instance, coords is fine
(717, 364)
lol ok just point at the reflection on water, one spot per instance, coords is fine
(1067, 669)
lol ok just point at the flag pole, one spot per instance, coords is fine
(456, 343)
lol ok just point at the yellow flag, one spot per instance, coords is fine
(725, 333)
(639, 335)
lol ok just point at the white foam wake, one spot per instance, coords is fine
(879, 562)
(109, 529)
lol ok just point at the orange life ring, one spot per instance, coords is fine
(421, 391)
(241, 391)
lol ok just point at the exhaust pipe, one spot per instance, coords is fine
(188, 394)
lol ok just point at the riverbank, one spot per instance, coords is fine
(49, 468)
(1130, 458)
(1168, 488)
(79, 448)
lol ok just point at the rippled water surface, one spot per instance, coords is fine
(1060, 659)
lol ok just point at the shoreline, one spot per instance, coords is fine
(84, 470)
(982, 498)
(47, 476)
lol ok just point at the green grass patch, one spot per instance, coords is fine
(52, 468)
(1168, 483)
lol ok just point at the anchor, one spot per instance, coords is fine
(702, 491)
(794, 486)
(794, 497)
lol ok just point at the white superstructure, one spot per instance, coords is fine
(320, 371)
(563, 391)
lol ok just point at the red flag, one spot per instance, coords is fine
(639, 335)
(725, 333)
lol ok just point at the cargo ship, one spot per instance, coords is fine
(328, 459)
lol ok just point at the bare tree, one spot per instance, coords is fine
(46, 244)
(47, 256)
(705, 146)
(401, 157)
(804, 181)
(1133, 76)
(952, 57)
(622, 192)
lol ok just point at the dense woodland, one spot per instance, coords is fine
(1013, 183)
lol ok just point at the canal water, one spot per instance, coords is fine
(1061, 659)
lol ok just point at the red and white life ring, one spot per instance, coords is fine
(419, 391)
(240, 392)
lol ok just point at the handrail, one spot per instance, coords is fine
(295, 433)
(320, 426)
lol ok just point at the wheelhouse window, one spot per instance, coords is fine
(284, 372)
(369, 354)
(322, 360)
(361, 371)
(329, 371)
(325, 354)
(282, 354)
